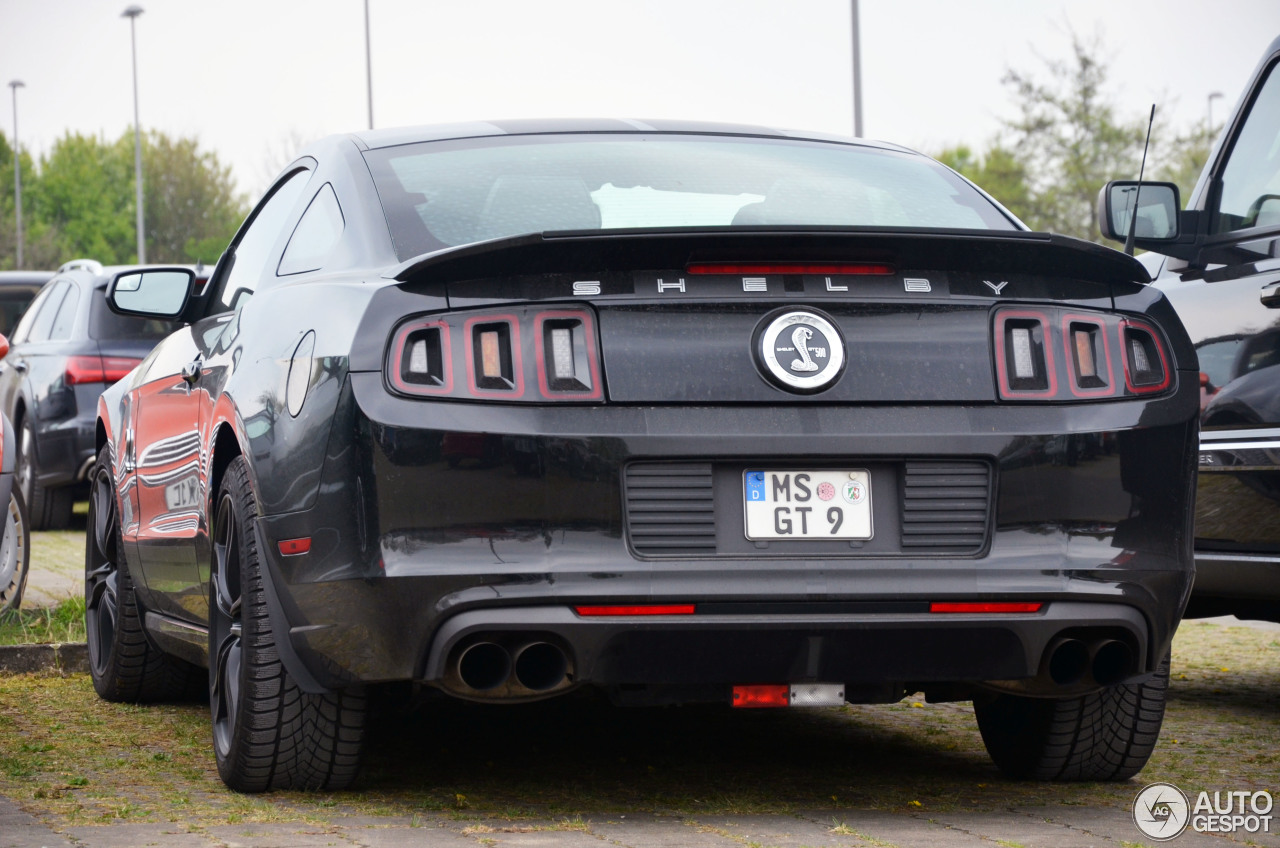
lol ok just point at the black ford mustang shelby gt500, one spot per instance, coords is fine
(688, 413)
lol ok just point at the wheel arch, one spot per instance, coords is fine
(225, 447)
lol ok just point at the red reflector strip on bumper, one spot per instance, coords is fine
(986, 606)
(636, 609)
(292, 547)
(788, 695)
(755, 697)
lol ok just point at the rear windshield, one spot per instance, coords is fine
(14, 301)
(105, 324)
(444, 193)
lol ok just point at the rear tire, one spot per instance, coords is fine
(1108, 735)
(47, 509)
(15, 553)
(123, 664)
(267, 733)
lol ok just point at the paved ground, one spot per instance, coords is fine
(1064, 825)
(1035, 827)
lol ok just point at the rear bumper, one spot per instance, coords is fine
(412, 556)
(726, 648)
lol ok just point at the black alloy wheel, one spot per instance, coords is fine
(225, 627)
(123, 664)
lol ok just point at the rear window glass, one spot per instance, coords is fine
(445, 193)
(105, 324)
(13, 303)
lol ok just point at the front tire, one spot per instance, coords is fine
(267, 733)
(123, 664)
(1108, 735)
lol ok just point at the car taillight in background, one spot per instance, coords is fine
(527, 355)
(1055, 354)
(98, 369)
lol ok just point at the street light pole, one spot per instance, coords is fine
(368, 63)
(1212, 97)
(132, 14)
(857, 73)
(17, 168)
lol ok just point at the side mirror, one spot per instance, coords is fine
(152, 293)
(4, 346)
(1157, 206)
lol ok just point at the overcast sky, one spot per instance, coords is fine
(250, 78)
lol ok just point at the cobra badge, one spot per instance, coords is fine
(800, 351)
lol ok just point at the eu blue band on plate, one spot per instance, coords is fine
(755, 486)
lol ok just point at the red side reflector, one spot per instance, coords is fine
(858, 269)
(647, 609)
(755, 697)
(293, 547)
(985, 606)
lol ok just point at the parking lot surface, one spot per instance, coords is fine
(78, 771)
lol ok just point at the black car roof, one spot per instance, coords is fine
(374, 139)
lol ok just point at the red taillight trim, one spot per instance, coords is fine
(1073, 383)
(116, 368)
(540, 354)
(293, 547)
(1126, 323)
(397, 357)
(858, 269)
(1007, 392)
(995, 607)
(81, 370)
(634, 609)
(764, 696)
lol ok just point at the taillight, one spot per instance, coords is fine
(1053, 354)
(494, 361)
(419, 360)
(566, 355)
(1146, 368)
(98, 369)
(499, 356)
(1024, 355)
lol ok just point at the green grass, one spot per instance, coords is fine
(70, 758)
(63, 623)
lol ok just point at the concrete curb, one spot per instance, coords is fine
(65, 657)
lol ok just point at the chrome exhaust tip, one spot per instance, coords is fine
(484, 666)
(540, 666)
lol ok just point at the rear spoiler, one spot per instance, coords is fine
(596, 251)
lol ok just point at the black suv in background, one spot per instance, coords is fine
(1219, 265)
(67, 348)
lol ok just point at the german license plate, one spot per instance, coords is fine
(807, 504)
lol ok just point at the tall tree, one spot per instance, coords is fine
(1070, 140)
(79, 202)
(84, 188)
(191, 205)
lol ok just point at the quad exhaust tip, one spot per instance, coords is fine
(1106, 662)
(490, 668)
